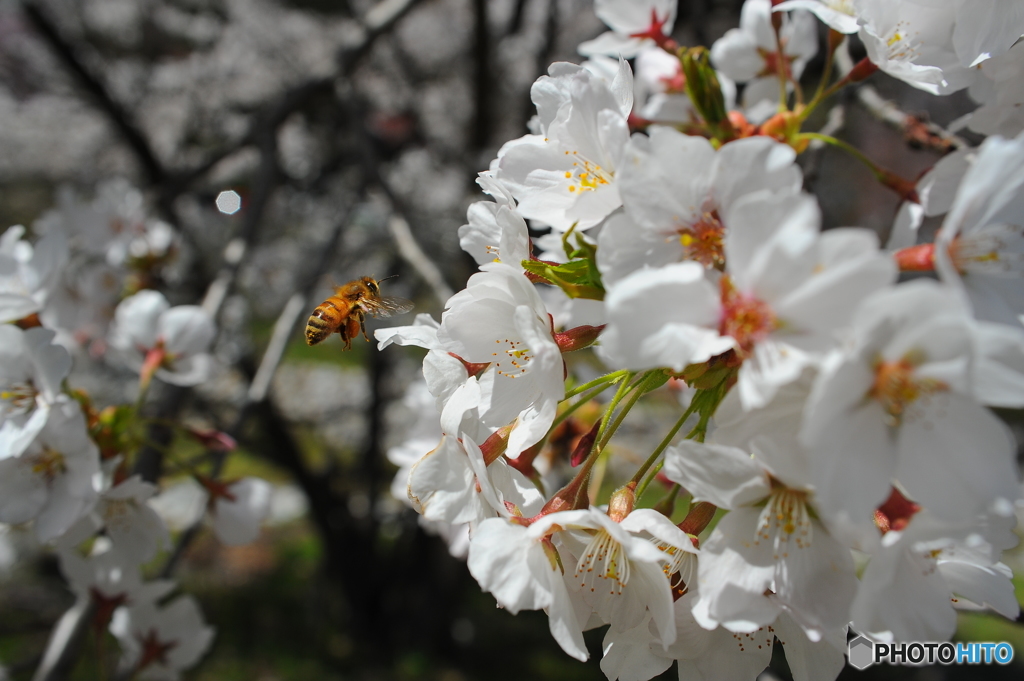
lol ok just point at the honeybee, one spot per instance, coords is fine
(343, 312)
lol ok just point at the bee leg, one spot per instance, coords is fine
(362, 327)
(343, 332)
(348, 331)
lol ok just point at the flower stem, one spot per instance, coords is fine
(780, 64)
(605, 381)
(646, 382)
(653, 458)
(848, 148)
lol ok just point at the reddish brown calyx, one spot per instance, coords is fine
(773, 61)
(907, 189)
(861, 70)
(153, 650)
(656, 32)
(29, 322)
(635, 123)
(214, 440)
(895, 513)
(472, 368)
(920, 258)
(577, 338)
(495, 445)
(572, 497)
(218, 489)
(741, 125)
(105, 607)
(697, 519)
(785, 127)
(583, 447)
(155, 358)
(835, 39)
(524, 462)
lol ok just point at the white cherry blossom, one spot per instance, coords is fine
(135, 530)
(517, 562)
(239, 509)
(451, 484)
(51, 481)
(980, 247)
(622, 569)
(677, 192)
(750, 54)
(28, 272)
(106, 576)
(495, 232)
(770, 541)
(566, 174)
(912, 586)
(32, 369)
(914, 42)
(147, 328)
(897, 402)
(499, 319)
(786, 291)
(839, 15)
(999, 88)
(635, 25)
(160, 642)
(443, 373)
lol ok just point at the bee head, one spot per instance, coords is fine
(372, 284)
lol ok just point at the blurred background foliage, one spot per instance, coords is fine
(329, 131)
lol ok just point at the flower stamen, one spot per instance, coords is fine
(605, 558)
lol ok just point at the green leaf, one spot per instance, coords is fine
(575, 277)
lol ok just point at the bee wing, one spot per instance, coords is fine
(387, 306)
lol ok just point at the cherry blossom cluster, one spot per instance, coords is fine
(67, 465)
(834, 462)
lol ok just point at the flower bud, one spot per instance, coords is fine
(920, 258)
(577, 338)
(705, 92)
(622, 502)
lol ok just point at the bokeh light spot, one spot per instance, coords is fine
(229, 202)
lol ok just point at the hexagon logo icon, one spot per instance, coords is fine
(861, 653)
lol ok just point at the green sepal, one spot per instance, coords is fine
(705, 92)
(579, 277)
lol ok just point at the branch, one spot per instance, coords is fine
(917, 131)
(411, 252)
(835, 122)
(120, 118)
(62, 648)
(377, 22)
(483, 81)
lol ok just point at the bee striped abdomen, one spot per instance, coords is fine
(324, 321)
